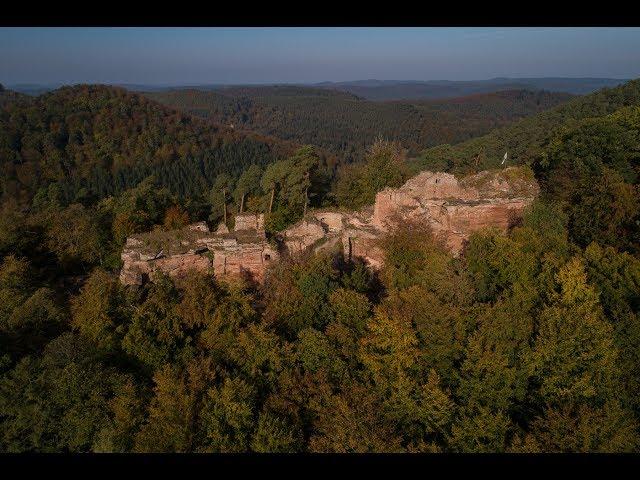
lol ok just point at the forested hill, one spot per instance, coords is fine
(585, 154)
(345, 124)
(9, 96)
(528, 342)
(525, 140)
(95, 141)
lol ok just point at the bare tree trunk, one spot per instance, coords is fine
(306, 193)
(242, 202)
(273, 192)
(224, 204)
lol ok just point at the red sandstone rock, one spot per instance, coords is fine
(244, 253)
(452, 208)
(302, 235)
(249, 221)
(199, 226)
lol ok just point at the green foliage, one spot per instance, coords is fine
(100, 311)
(61, 402)
(228, 417)
(175, 218)
(616, 278)
(526, 139)
(29, 314)
(384, 166)
(75, 236)
(297, 295)
(174, 408)
(574, 357)
(544, 360)
(350, 423)
(292, 184)
(248, 185)
(156, 335)
(219, 196)
(96, 141)
(315, 352)
(274, 435)
(587, 430)
(344, 124)
(606, 210)
(528, 341)
(481, 432)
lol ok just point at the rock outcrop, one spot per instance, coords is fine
(453, 208)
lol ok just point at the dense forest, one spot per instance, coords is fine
(10, 96)
(528, 342)
(96, 141)
(345, 124)
(585, 154)
(526, 140)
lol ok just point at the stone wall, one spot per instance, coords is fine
(244, 252)
(452, 208)
(303, 235)
(249, 221)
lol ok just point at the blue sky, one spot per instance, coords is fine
(290, 55)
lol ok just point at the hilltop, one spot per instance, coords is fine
(526, 139)
(584, 154)
(450, 208)
(94, 141)
(10, 96)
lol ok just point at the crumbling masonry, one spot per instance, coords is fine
(452, 208)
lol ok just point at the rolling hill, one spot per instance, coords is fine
(525, 141)
(10, 96)
(92, 141)
(345, 124)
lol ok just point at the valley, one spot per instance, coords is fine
(345, 124)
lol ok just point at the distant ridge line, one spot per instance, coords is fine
(373, 89)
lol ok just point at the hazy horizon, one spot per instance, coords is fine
(258, 56)
(408, 80)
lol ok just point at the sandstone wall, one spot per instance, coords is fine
(244, 252)
(249, 221)
(244, 260)
(302, 235)
(138, 268)
(452, 208)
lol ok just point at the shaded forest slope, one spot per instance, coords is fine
(526, 140)
(345, 124)
(93, 141)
